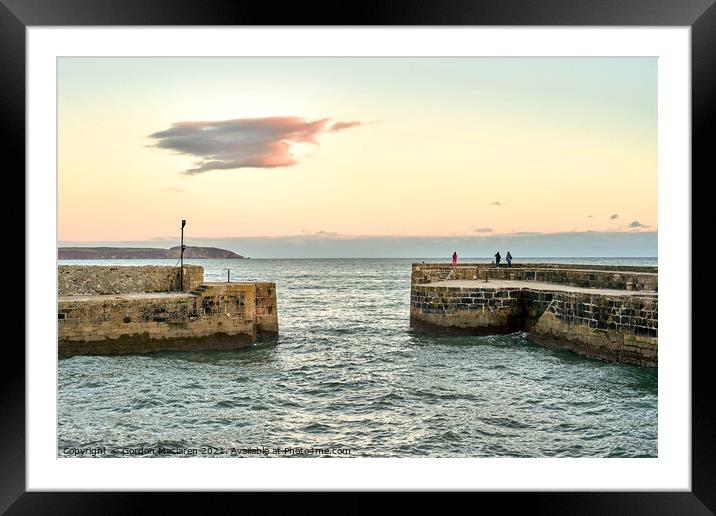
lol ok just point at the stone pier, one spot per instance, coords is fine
(117, 310)
(609, 313)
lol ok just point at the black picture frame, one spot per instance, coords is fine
(700, 15)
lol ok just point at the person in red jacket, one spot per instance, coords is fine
(454, 258)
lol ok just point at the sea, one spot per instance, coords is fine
(346, 377)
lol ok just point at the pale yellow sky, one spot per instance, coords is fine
(554, 141)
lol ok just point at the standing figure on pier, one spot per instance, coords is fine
(509, 259)
(454, 259)
(497, 259)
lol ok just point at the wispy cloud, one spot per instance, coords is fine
(496, 203)
(175, 190)
(615, 216)
(481, 230)
(339, 126)
(321, 233)
(244, 142)
(637, 225)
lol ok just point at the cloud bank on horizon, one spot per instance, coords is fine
(244, 142)
(326, 244)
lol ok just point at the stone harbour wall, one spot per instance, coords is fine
(75, 280)
(211, 316)
(591, 276)
(616, 328)
(455, 310)
(266, 310)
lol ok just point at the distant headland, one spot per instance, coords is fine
(139, 253)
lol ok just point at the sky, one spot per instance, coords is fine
(361, 154)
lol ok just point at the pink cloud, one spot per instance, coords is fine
(243, 142)
(339, 126)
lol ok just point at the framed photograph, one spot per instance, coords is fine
(423, 242)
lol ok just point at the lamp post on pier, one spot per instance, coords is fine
(181, 257)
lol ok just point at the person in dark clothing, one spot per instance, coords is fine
(497, 258)
(454, 258)
(509, 259)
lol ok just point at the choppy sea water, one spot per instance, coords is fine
(347, 377)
